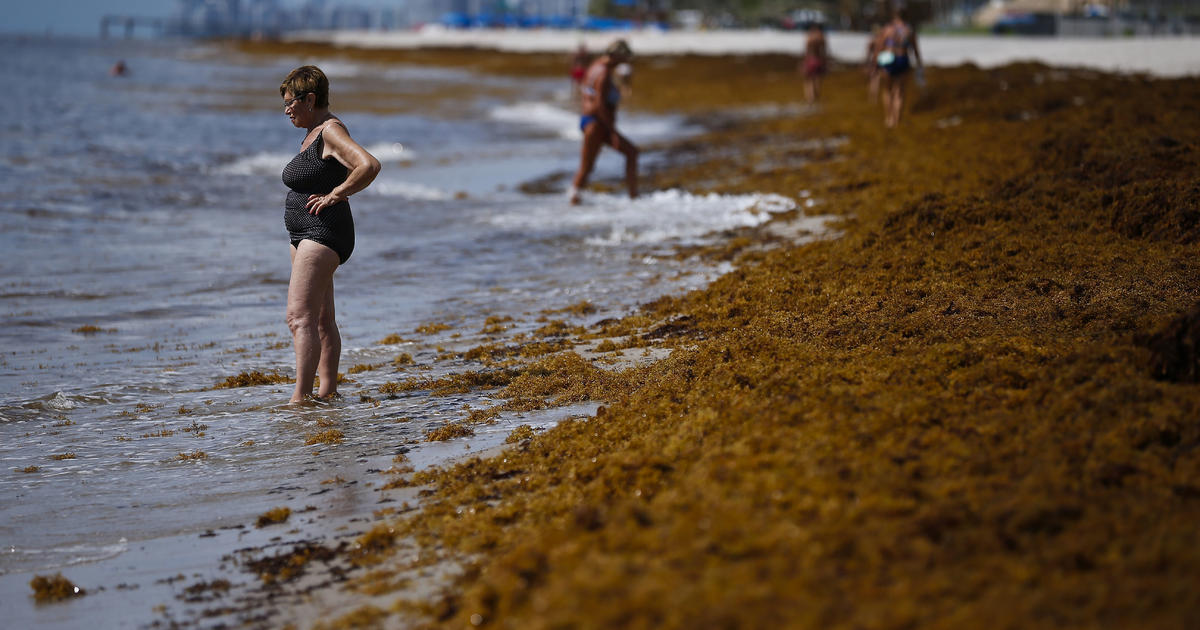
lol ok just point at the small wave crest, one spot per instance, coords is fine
(565, 123)
(661, 216)
(408, 190)
(20, 559)
(257, 164)
(544, 116)
(269, 163)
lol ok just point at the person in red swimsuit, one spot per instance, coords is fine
(579, 65)
(816, 61)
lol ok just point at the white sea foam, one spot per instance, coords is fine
(391, 152)
(565, 123)
(69, 554)
(408, 190)
(335, 69)
(541, 115)
(662, 216)
(269, 163)
(60, 402)
(257, 164)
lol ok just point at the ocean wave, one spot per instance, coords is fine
(55, 557)
(272, 163)
(391, 152)
(565, 123)
(257, 164)
(545, 116)
(408, 190)
(661, 216)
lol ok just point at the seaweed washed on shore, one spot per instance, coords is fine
(978, 404)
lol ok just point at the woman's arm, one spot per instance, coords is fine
(362, 165)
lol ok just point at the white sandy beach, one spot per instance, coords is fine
(1160, 56)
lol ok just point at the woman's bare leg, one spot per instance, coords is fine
(592, 141)
(310, 286)
(885, 95)
(331, 347)
(630, 152)
(895, 100)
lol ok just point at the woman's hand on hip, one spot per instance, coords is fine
(317, 203)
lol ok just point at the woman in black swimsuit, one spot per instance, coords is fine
(330, 167)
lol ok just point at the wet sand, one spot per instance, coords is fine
(976, 406)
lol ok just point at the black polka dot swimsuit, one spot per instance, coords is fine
(308, 174)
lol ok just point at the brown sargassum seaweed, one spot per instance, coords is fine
(976, 406)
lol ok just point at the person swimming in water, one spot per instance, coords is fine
(330, 167)
(899, 38)
(599, 97)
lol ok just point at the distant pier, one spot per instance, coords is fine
(130, 23)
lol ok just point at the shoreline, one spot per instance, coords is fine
(1158, 56)
(943, 416)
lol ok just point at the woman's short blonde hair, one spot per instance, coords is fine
(307, 80)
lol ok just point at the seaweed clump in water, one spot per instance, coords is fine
(89, 329)
(54, 588)
(328, 436)
(273, 516)
(449, 432)
(252, 379)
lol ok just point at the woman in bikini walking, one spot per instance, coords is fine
(599, 99)
(899, 38)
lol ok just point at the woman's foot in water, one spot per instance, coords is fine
(315, 400)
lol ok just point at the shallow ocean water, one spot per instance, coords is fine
(146, 261)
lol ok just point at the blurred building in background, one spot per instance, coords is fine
(271, 18)
(1090, 18)
(268, 18)
(258, 18)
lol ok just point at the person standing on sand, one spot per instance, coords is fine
(330, 167)
(899, 38)
(816, 60)
(599, 97)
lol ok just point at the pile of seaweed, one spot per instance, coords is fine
(977, 405)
